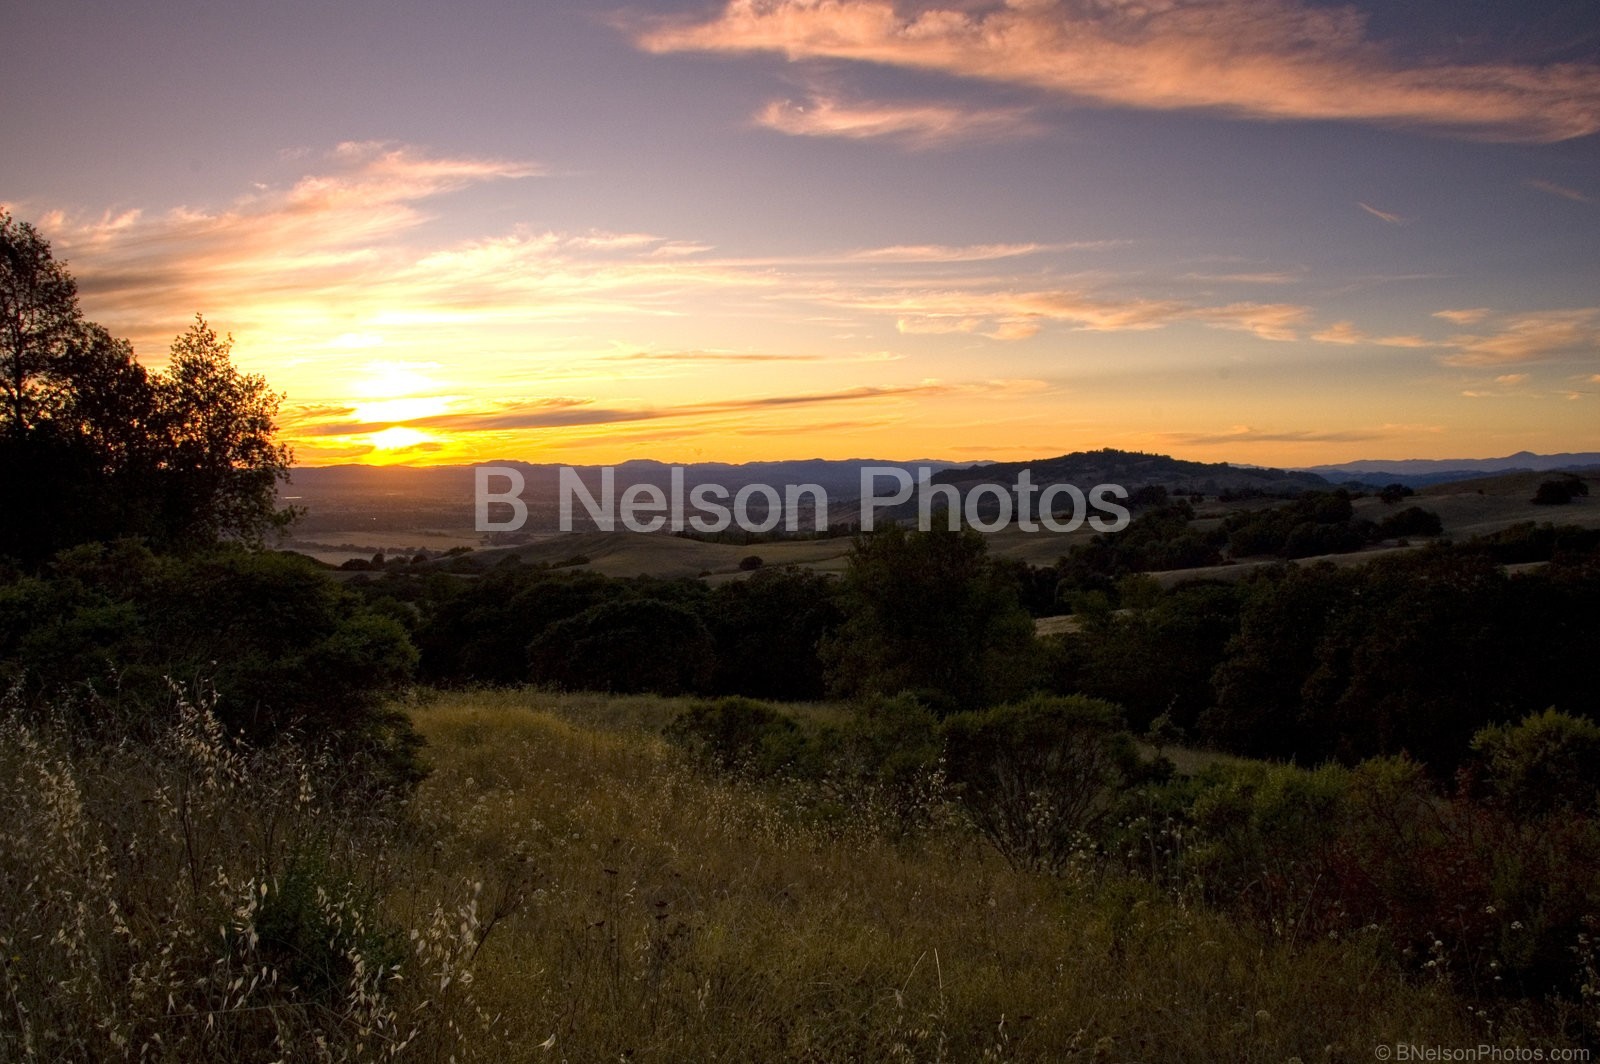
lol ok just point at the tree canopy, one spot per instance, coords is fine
(93, 446)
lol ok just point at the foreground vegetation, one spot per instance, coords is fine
(568, 885)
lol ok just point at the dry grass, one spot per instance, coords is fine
(676, 917)
(564, 888)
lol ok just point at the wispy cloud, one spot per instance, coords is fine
(1244, 434)
(1263, 59)
(712, 356)
(327, 228)
(566, 412)
(1014, 315)
(919, 126)
(1265, 277)
(1385, 216)
(1344, 332)
(1463, 317)
(1532, 337)
(914, 253)
(1558, 190)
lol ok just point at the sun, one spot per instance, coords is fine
(398, 438)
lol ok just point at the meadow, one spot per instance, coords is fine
(566, 886)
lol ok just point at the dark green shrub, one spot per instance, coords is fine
(1412, 521)
(740, 735)
(1038, 776)
(1559, 492)
(313, 929)
(893, 740)
(630, 645)
(1547, 763)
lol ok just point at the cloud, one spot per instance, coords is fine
(1344, 332)
(1392, 219)
(919, 126)
(1260, 59)
(1243, 278)
(1463, 317)
(712, 356)
(1269, 321)
(930, 253)
(334, 231)
(1246, 434)
(1012, 315)
(1558, 190)
(1511, 378)
(1532, 337)
(566, 412)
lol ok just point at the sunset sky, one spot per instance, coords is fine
(1259, 231)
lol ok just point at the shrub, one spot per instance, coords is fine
(1412, 521)
(740, 735)
(629, 645)
(1559, 492)
(1547, 763)
(893, 740)
(286, 650)
(1038, 775)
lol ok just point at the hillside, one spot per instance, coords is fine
(1134, 470)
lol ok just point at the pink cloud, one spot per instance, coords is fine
(1262, 59)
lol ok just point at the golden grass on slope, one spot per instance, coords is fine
(671, 917)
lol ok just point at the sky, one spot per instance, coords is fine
(1261, 231)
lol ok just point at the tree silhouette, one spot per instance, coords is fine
(94, 447)
(220, 458)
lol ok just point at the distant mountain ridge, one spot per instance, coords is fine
(1137, 469)
(1421, 472)
(840, 477)
(432, 495)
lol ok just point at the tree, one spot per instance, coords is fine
(928, 612)
(629, 646)
(768, 629)
(39, 318)
(94, 447)
(221, 457)
(1560, 492)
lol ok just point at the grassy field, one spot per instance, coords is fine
(566, 887)
(669, 916)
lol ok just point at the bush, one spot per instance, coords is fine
(1037, 776)
(1559, 492)
(1412, 521)
(739, 735)
(630, 645)
(891, 740)
(1547, 763)
(286, 650)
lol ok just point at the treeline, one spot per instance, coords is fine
(1410, 653)
(111, 635)
(1165, 536)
